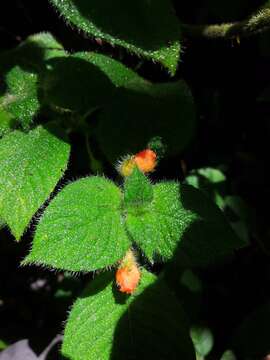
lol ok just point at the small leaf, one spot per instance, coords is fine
(202, 339)
(20, 70)
(157, 229)
(138, 190)
(82, 228)
(30, 167)
(143, 112)
(228, 355)
(21, 99)
(146, 28)
(106, 324)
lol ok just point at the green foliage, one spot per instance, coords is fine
(208, 236)
(82, 229)
(228, 355)
(30, 167)
(202, 339)
(148, 323)
(6, 122)
(211, 181)
(138, 191)
(92, 223)
(160, 220)
(3, 345)
(21, 98)
(119, 74)
(74, 84)
(146, 28)
(93, 226)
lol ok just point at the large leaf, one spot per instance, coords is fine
(157, 229)
(165, 110)
(105, 324)
(182, 222)
(208, 236)
(85, 81)
(74, 84)
(82, 228)
(30, 167)
(148, 28)
(119, 74)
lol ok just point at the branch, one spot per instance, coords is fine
(254, 24)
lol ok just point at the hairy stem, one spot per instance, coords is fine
(254, 24)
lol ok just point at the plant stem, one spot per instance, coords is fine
(95, 165)
(254, 24)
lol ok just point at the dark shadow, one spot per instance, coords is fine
(164, 110)
(74, 84)
(140, 23)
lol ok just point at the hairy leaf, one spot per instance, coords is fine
(82, 228)
(138, 190)
(6, 122)
(157, 229)
(30, 167)
(147, 28)
(104, 323)
(20, 70)
(119, 74)
(21, 98)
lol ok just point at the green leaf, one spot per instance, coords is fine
(20, 70)
(138, 190)
(21, 98)
(6, 122)
(146, 28)
(105, 324)
(119, 74)
(30, 167)
(143, 112)
(157, 229)
(32, 53)
(85, 81)
(82, 228)
(3, 344)
(202, 339)
(228, 355)
(75, 84)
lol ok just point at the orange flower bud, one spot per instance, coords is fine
(146, 160)
(128, 274)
